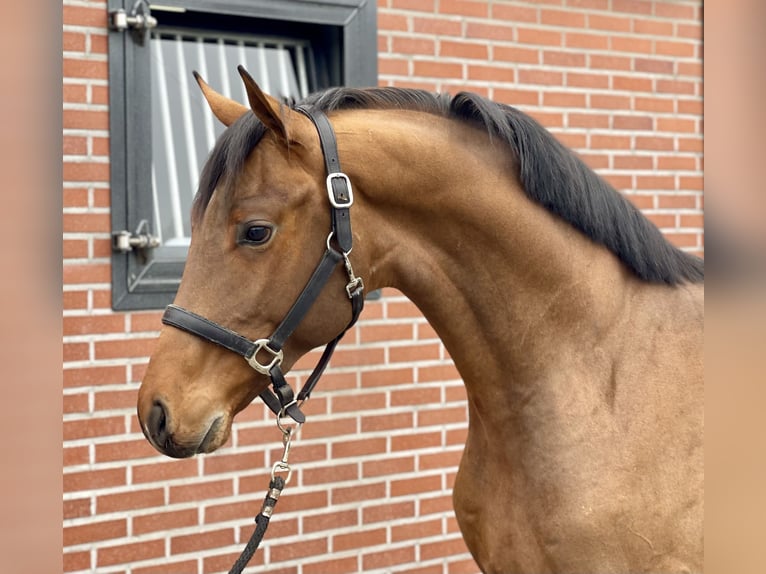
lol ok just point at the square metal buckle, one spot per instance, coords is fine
(333, 201)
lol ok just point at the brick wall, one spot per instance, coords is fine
(620, 81)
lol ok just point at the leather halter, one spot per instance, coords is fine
(282, 400)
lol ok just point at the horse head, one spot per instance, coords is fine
(260, 224)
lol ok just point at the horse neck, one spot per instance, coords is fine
(441, 216)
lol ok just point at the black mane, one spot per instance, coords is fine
(550, 174)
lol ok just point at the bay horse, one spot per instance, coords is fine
(576, 326)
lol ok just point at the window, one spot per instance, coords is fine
(161, 129)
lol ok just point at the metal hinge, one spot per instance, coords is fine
(125, 241)
(139, 18)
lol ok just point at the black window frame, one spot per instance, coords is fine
(347, 52)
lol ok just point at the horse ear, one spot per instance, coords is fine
(266, 108)
(226, 110)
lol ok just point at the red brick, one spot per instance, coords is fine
(337, 566)
(85, 119)
(632, 6)
(691, 183)
(586, 41)
(677, 163)
(201, 491)
(417, 5)
(435, 505)
(283, 553)
(393, 66)
(564, 99)
(164, 471)
(566, 18)
(94, 427)
(676, 87)
(611, 23)
(654, 143)
(569, 59)
(517, 97)
(438, 26)
(600, 62)
(391, 22)
(75, 249)
(473, 8)
(576, 120)
(593, 4)
(99, 95)
(674, 48)
(491, 73)
(516, 55)
(538, 36)
(89, 376)
(358, 492)
(76, 508)
(388, 512)
(123, 501)
(83, 16)
(373, 423)
(99, 43)
(634, 122)
(692, 220)
(330, 521)
(632, 84)
(171, 567)
(124, 450)
(447, 547)
(416, 530)
(469, 50)
(652, 27)
(127, 348)
(76, 455)
(201, 541)
(95, 531)
(420, 440)
(73, 42)
(662, 221)
(358, 539)
(653, 65)
(85, 171)
(94, 479)
(359, 447)
(389, 557)
(513, 13)
(610, 102)
(419, 485)
(127, 553)
(541, 77)
(407, 45)
(388, 466)
(674, 10)
(164, 521)
(653, 104)
(93, 324)
(74, 561)
(632, 162)
(87, 69)
(587, 80)
(330, 474)
(631, 44)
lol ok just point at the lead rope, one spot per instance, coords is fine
(272, 496)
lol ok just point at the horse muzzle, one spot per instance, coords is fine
(163, 433)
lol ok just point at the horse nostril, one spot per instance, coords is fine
(156, 424)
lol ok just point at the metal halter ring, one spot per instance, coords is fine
(252, 360)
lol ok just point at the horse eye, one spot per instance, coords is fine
(257, 234)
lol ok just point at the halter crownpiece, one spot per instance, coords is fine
(265, 355)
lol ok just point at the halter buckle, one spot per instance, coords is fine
(340, 202)
(276, 357)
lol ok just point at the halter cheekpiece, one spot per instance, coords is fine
(265, 355)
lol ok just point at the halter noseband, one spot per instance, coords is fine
(282, 400)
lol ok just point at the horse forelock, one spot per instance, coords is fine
(550, 174)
